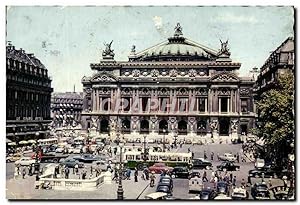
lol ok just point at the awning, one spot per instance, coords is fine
(8, 140)
(12, 144)
(23, 142)
(31, 141)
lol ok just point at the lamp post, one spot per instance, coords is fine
(292, 168)
(164, 140)
(120, 191)
(37, 164)
(145, 153)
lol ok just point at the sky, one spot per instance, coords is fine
(68, 39)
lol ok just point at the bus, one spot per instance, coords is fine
(134, 159)
(50, 141)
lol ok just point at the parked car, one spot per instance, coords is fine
(166, 180)
(222, 188)
(165, 189)
(156, 196)
(194, 174)
(70, 163)
(87, 158)
(200, 163)
(227, 157)
(207, 194)
(188, 141)
(59, 150)
(267, 173)
(259, 163)
(239, 194)
(180, 172)
(260, 191)
(13, 157)
(228, 166)
(195, 184)
(25, 161)
(159, 168)
(76, 150)
(101, 164)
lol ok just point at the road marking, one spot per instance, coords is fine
(142, 191)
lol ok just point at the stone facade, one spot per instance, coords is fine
(28, 93)
(177, 89)
(66, 109)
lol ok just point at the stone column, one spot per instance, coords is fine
(214, 124)
(234, 128)
(94, 100)
(238, 107)
(192, 126)
(153, 125)
(210, 102)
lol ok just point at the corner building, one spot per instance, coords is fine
(177, 90)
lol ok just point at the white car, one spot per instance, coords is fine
(76, 151)
(239, 193)
(100, 164)
(259, 163)
(25, 161)
(59, 150)
(227, 157)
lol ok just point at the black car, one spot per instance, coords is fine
(200, 163)
(166, 181)
(87, 158)
(260, 191)
(70, 163)
(194, 174)
(164, 188)
(222, 187)
(180, 172)
(228, 166)
(267, 173)
(207, 194)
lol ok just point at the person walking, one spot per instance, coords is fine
(76, 168)
(204, 176)
(243, 184)
(234, 182)
(270, 182)
(204, 155)
(23, 172)
(136, 175)
(237, 157)
(152, 179)
(212, 176)
(84, 172)
(67, 172)
(212, 156)
(128, 174)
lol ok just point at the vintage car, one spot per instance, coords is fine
(195, 184)
(207, 194)
(200, 163)
(222, 187)
(25, 161)
(180, 172)
(239, 194)
(166, 181)
(70, 163)
(227, 157)
(159, 168)
(194, 173)
(228, 166)
(13, 158)
(156, 196)
(260, 191)
(87, 158)
(100, 164)
(165, 189)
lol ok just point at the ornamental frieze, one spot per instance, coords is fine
(201, 91)
(104, 91)
(164, 73)
(145, 91)
(154, 73)
(225, 76)
(163, 91)
(182, 91)
(192, 73)
(103, 77)
(88, 91)
(127, 73)
(223, 91)
(173, 73)
(135, 73)
(126, 91)
(244, 91)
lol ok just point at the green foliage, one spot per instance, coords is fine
(276, 115)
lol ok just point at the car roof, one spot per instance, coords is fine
(156, 195)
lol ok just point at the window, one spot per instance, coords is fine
(126, 103)
(244, 105)
(163, 104)
(105, 103)
(201, 104)
(144, 103)
(182, 104)
(223, 104)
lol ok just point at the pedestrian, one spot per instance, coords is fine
(16, 174)
(230, 177)
(204, 155)
(55, 171)
(218, 156)
(212, 156)
(152, 179)
(128, 174)
(234, 181)
(76, 168)
(270, 182)
(67, 172)
(212, 176)
(91, 169)
(30, 170)
(23, 172)
(189, 150)
(84, 173)
(285, 182)
(115, 175)
(204, 176)
(237, 157)
(243, 184)
(136, 175)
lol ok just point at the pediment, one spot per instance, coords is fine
(104, 77)
(225, 77)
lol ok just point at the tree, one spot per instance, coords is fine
(276, 119)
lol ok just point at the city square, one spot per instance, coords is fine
(174, 120)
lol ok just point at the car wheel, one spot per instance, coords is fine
(237, 169)
(173, 176)
(8, 160)
(275, 176)
(207, 167)
(224, 169)
(256, 176)
(55, 160)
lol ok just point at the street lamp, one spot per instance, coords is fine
(145, 152)
(164, 140)
(120, 191)
(37, 164)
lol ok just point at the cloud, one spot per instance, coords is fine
(233, 18)
(158, 23)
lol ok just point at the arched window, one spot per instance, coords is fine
(163, 126)
(104, 126)
(182, 127)
(144, 126)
